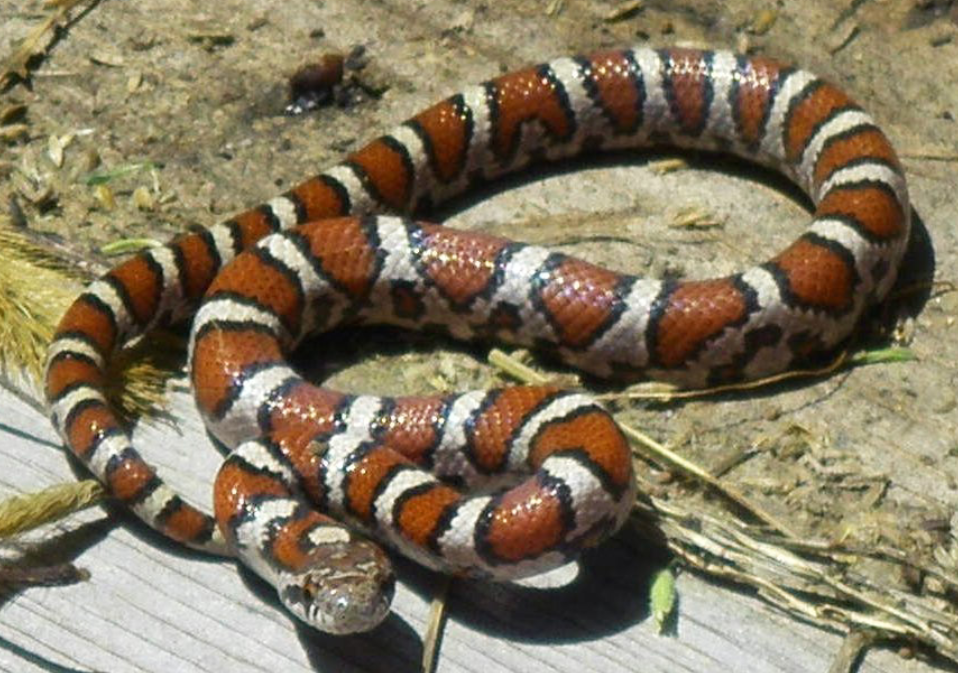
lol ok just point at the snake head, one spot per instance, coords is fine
(347, 588)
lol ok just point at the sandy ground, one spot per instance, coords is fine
(870, 453)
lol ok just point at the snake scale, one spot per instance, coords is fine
(494, 484)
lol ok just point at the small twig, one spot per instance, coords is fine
(668, 395)
(688, 467)
(16, 66)
(660, 452)
(881, 355)
(624, 10)
(437, 625)
(931, 156)
(516, 369)
(941, 286)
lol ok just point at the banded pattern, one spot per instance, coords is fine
(365, 459)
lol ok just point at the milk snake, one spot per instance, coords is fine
(401, 469)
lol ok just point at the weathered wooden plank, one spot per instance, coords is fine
(151, 607)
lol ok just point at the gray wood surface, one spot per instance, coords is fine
(150, 607)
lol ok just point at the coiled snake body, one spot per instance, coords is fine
(495, 484)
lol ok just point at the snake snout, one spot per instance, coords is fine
(347, 589)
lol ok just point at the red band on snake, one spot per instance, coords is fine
(495, 484)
